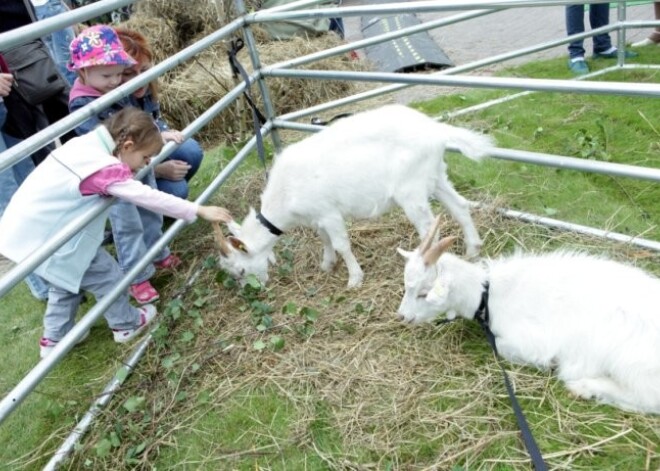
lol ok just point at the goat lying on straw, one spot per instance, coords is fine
(596, 321)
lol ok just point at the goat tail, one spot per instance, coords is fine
(470, 143)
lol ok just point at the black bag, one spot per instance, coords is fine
(36, 76)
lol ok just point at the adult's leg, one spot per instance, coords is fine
(599, 16)
(575, 25)
(655, 35)
(58, 41)
(190, 152)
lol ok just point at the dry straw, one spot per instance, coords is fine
(394, 396)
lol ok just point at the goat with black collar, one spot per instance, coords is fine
(595, 321)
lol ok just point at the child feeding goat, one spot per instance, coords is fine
(596, 321)
(359, 167)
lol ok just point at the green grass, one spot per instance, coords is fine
(206, 397)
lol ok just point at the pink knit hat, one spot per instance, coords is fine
(98, 45)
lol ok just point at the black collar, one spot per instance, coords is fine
(269, 225)
(482, 315)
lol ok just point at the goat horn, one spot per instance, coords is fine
(433, 254)
(426, 243)
(223, 245)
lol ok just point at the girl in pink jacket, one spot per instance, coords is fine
(72, 179)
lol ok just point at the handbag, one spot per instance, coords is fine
(36, 78)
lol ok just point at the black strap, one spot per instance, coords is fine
(317, 121)
(483, 317)
(258, 118)
(269, 225)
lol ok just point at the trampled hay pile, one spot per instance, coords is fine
(307, 374)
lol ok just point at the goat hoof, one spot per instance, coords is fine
(327, 266)
(354, 282)
(472, 253)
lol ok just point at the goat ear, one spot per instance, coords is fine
(237, 244)
(404, 253)
(433, 254)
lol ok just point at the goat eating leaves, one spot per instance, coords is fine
(358, 167)
(595, 321)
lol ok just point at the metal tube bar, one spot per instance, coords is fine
(27, 266)
(548, 85)
(46, 26)
(536, 158)
(106, 395)
(256, 66)
(38, 140)
(104, 398)
(378, 39)
(265, 16)
(32, 379)
(580, 229)
(574, 163)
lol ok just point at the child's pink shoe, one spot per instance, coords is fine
(170, 262)
(143, 292)
(47, 345)
(147, 314)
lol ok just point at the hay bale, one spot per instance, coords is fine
(190, 17)
(203, 82)
(191, 89)
(160, 32)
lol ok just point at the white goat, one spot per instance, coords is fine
(358, 167)
(595, 320)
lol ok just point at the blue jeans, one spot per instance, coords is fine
(10, 179)
(191, 152)
(599, 15)
(135, 230)
(58, 42)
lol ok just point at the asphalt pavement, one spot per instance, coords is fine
(498, 33)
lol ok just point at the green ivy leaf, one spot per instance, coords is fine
(199, 302)
(259, 345)
(210, 262)
(289, 308)
(169, 361)
(134, 403)
(114, 439)
(277, 342)
(103, 448)
(187, 336)
(309, 314)
(253, 282)
(204, 397)
(182, 396)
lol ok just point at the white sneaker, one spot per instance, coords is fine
(47, 345)
(147, 314)
(644, 42)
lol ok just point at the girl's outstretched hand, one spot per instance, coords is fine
(214, 214)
